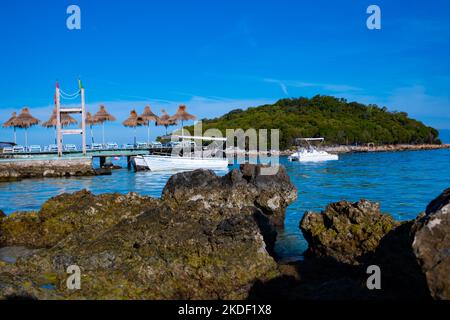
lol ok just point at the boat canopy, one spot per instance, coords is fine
(310, 139)
(201, 138)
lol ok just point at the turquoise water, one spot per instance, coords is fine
(403, 182)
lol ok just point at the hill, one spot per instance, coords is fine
(335, 119)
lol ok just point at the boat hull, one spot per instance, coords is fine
(313, 157)
(139, 164)
(169, 163)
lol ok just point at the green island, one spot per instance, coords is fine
(340, 122)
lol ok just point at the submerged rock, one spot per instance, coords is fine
(432, 246)
(345, 231)
(204, 239)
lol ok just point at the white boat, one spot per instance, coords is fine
(171, 162)
(311, 154)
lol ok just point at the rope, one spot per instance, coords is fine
(76, 94)
(70, 98)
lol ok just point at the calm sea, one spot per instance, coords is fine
(403, 182)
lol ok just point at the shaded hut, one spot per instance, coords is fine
(165, 120)
(182, 115)
(101, 117)
(11, 123)
(134, 121)
(90, 121)
(24, 121)
(148, 116)
(66, 120)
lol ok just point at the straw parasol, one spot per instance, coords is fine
(148, 116)
(66, 120)
(91, 122)
(103, 116)
(165, 120)
(12, 123)
(25, 120)
(182, 116)
(134, 121)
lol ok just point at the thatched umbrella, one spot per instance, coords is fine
(66, 120)
(165, 120)
(148, 116)
(182, 116)
(90, 121)
(25, 120)
(134, 121)
(103, 116)
(12, 123)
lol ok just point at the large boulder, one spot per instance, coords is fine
(346, 232)
(67, 213)
(432, 246)
(246, 187)
(203, 240)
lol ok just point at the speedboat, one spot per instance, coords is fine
(311, 154)
(185, 162)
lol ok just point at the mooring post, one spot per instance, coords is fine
(58, 120)
(102, 162)
(83, 122)
(129, 162)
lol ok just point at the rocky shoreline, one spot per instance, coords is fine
(211, 237)
(352, 149)
(17, 169)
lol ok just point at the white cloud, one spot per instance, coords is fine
(285, 84)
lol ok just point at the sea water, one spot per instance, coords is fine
(403, 182)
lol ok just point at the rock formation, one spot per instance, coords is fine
(19, 169)
(205, 239)
(432, 246)
(414, 256)
(346, 231)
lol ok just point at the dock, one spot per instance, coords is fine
(16, 166)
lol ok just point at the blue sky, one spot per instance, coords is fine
(215, 56)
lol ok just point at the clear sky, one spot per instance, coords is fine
(216, 56)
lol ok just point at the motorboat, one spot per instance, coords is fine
(205, 159)
(310, 153)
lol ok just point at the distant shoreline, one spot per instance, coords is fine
(357, 149)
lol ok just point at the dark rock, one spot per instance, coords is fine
(2, 214)
(400, 270)
(205, 239)
(266, 195)
(346, 232)
(103, 171)
(270, 193)
(67, 213)
(16, 170)
(432, 246)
